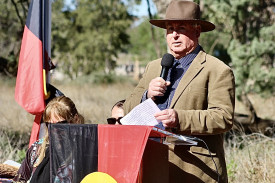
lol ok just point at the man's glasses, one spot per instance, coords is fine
(114, 120)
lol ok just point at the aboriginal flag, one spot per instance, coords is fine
(34, 62)
(78, 150)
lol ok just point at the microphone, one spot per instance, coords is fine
(166, 63)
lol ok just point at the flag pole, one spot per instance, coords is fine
(45, 57)
(45, 74)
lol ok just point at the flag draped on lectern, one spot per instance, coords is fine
(78, 150)
(34, 62)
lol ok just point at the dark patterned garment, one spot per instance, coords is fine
(64, 174)
(26, 169)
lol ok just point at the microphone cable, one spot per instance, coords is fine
(198, 139)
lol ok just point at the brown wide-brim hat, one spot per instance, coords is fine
(185, 12)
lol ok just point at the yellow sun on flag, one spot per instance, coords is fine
(98, 177)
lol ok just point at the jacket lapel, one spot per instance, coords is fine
(192, 72)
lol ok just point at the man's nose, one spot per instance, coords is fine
(175, 33)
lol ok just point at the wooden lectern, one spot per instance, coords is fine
(154, 165)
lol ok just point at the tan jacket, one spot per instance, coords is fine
(204, 101)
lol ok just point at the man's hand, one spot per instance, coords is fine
(157, 87)
(169, 117)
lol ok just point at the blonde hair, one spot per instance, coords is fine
(61, 108)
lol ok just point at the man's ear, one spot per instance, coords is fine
(198, 31)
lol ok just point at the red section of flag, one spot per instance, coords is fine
(120, 150)
(29, 91)
(34, 57)
(35, 129)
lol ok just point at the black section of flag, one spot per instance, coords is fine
(73, 151)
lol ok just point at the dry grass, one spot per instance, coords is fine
(12, 115)
(13, 145)
(250, 158)
(94, 102)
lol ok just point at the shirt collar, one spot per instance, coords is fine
(187, 59)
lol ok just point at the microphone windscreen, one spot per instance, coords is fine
(167, 60)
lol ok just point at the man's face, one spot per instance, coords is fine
(182, 38)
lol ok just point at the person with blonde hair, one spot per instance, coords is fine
(59, 110)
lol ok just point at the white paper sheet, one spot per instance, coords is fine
(142, 114)
(12, 163)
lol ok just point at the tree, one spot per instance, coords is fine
(142, 47)
(161, 7)
(85, 38)
(94, 35)
(12, 21)
(250, 24)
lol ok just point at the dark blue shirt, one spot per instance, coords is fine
(175, 74)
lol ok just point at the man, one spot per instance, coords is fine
(197, 99)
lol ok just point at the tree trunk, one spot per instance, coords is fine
(253, 116)
(161, 7)
(155, 42)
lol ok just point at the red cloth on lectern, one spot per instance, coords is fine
(120, 150)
